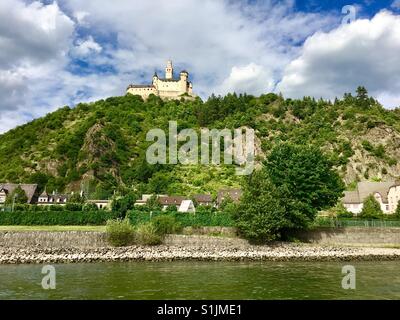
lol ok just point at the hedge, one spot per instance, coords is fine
(48, 218)
(203, 219)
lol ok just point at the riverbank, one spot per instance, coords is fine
(197, 248)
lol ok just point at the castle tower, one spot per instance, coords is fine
(169, 70)
(155, 80)
(184, 81)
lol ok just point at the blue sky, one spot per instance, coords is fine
(56, 53)
(369, 7)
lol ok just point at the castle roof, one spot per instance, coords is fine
(140, 86)
(169, 80)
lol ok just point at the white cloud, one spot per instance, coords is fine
(32, 33)
(218, 42)
(34, 39)
(395, 4)
(251, 79)
(208, 39)
(365, 52)
(86, 47)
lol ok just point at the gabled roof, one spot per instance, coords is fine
(170, 200)
(58, 196)
(44, 194)
(234, 194)
(351, 197)
(30, 189)
(202, 198)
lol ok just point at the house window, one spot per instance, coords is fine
(387, 208)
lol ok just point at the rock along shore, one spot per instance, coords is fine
(275, 252)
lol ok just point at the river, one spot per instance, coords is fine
(202, 280)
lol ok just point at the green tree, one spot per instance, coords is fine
(19, 195)
(306, 173)
(267, 212)
(76, 198)
(123, 204)
(371, 208)
(362, 97)
(397, 212)
(153, 203)
(40, 179)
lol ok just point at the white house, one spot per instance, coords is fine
(101, 204)
(386, 193)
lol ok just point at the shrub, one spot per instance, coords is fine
(341, 212)
(166, 224)
(397, 213)
(371, 208)
(52, 218)
(205, 218)
(146, 234)
(89, 207)
(120, 232)
(367, 145)
(56, 207)
(345, 214)
(73, 207)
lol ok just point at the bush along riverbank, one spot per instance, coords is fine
(53, 218)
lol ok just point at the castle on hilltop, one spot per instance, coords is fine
(167, 88)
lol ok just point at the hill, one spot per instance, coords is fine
(101, 146)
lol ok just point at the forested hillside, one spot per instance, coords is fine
(101, 146)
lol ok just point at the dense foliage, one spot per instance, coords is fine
(286, 194)
(120, 232)
(54, 218)
(371, 208)
(203, 219)
(101, 146)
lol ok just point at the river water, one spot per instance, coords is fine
(202, 280)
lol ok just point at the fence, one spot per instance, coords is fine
(340, 223)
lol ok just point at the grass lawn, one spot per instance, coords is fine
(52, 228)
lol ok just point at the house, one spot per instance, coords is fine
(3, 195)
(46, 199)
(233, 194)
(8, 188)
(386, 193)
(187, 206)
(147, 197)
(101, 204)
(203, 199)
(167, 201)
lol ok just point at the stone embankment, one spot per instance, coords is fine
(176, 247)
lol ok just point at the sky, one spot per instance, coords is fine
(57, 53)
